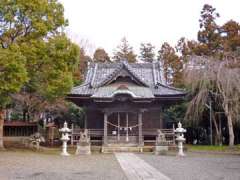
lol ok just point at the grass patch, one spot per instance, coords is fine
(223, 148)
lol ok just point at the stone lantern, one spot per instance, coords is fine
(65, 138)
(180, 138)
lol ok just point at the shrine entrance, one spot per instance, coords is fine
(123, 128)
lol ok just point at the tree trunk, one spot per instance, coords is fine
(230, 129)
(217, 130)
(1, 129)
(230, 124)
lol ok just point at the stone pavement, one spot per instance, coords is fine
(40, 166)
(196, 166)
(137, 169)
(15, 165)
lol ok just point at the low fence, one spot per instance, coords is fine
(19, 129)
(149, 136)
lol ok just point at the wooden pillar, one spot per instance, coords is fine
(15, 131)
(118, 127)
(140, 135)
(161, 119)
(52, 135)
(72, 134)
(127, 138)
(85, 122)
(105, 129)
(173, 131)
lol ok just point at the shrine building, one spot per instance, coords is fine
(124, 102)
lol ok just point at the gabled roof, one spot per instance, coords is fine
(149, 79)
(114, 74)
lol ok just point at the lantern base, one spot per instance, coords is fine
(65, 154)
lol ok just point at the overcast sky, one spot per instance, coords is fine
(102, 23)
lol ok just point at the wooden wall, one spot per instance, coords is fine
(151, 119)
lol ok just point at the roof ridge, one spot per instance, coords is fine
(170, 87)
(94, 73)
(117, 70)
(128, 66)
(109, 76)
(154, 74)
(161, 73)
(81, 85)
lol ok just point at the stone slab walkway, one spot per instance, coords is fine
(136, 168)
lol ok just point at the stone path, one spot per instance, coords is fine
(135, 168)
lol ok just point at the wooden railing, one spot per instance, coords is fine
(18, 128)
(75, 135)
(96, 135)
(169, 135)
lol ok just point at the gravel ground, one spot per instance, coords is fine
(196, 166)
(37, 166)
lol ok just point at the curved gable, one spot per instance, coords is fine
(123, 70)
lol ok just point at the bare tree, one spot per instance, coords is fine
(217, 80)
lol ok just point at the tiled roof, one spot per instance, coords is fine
(149, 75)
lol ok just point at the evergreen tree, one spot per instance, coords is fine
(13, 75)
(80, 70)
(36, 57)
(124, 52)
(209, 35)
(22, 21)
(172, 64)
(147, 52)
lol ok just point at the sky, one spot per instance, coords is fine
(103, 23)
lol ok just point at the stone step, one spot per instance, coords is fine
(112, 149)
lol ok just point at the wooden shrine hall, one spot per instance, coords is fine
(124, 101)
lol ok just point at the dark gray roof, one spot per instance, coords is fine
(149, 76)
